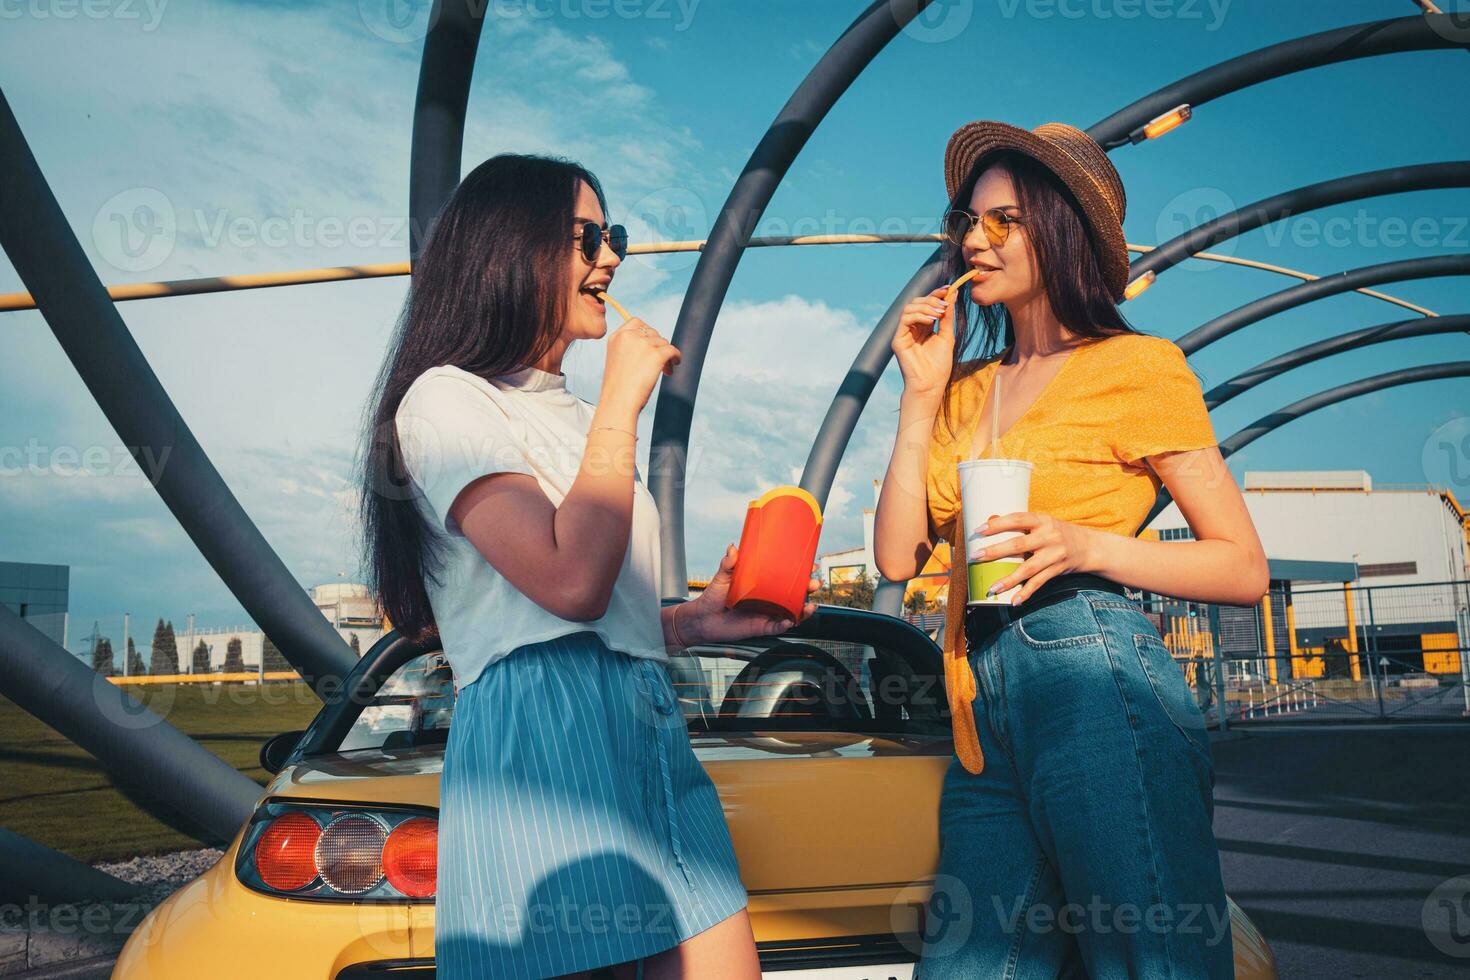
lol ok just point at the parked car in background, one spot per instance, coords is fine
(828, 745)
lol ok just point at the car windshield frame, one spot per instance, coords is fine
(903, 654)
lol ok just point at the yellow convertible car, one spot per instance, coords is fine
(828, 745)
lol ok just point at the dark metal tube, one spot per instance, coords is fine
(1412, 33)
(439, 111)
(1365, 386)
(1418, 327)
(1374, 183)
(128, 739)
(1294, 411)
(31, 871)
(773, 156)
(51, 263)
(1342, 282)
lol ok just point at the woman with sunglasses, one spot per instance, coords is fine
(1075, 818)
(576, 828)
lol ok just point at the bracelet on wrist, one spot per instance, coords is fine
(674, 623)
(615, 429)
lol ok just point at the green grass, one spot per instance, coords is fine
(55, 793)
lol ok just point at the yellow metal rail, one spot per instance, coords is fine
(270, 675)
(14, 302)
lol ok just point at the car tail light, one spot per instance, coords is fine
(350, 854)
(341, 853)
(411, 857)
(284, 854)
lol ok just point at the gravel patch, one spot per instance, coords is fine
(72, 940)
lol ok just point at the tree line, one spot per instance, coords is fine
(163, 656)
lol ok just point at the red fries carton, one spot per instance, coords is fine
(777, 547)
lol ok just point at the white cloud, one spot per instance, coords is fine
(241, 118)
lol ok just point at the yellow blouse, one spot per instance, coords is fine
(1114, 402)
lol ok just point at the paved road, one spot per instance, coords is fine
(1332, 839)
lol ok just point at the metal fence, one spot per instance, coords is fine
(1330, 653)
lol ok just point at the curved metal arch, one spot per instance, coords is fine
(30, 871)
(51, 263)
(1373, 183)
(1294, 411)
(445, 71)
(1342, 282)
(783, 140)
(1394, 35)
(1328, 47)
(1364, 386)
(1423, 326)
(125, 737)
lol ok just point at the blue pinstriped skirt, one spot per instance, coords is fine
(576, 827)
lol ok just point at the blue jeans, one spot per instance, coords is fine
(1085, 846)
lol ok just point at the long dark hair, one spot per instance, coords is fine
(1064, 253)
(484, 298)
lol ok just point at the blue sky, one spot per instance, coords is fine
(274, 135)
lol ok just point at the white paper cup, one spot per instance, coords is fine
(991, 487)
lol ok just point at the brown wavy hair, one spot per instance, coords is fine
(1063, 250)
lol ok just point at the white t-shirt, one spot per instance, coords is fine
(455, 427)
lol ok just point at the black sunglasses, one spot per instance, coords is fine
(591, 237)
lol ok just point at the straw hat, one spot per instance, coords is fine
(1074, 157)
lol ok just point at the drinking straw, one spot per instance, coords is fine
(995, 411)
(994, 419)
(615, 305)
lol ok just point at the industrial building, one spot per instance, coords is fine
(1355, 570)
(38, 594)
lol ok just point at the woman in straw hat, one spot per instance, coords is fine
(1075, 817)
